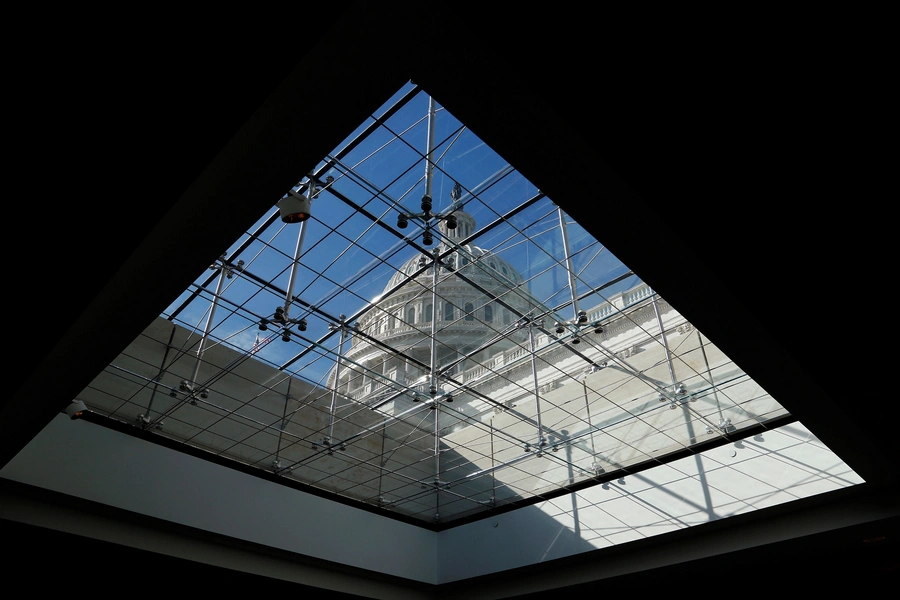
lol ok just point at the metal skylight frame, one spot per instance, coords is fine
(323, 345)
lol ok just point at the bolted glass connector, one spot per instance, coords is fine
(559, 327)
(286, 336)
(451, 221)
(426, 203)
(279, 315)
(301, 325)
(402, 222)
(582, 317)
(263, 324)
(427, 239)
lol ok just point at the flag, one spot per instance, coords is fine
(255, 347)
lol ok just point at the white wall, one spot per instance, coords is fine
(98, 464)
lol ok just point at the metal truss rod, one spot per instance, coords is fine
(541, 442)
(429, 166)
(569, 271)
(662, 333)
(223, 272)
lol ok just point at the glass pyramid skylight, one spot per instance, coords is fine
(437, 342)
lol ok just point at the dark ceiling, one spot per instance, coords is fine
(706, 153)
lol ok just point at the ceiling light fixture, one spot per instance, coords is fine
(294, 208)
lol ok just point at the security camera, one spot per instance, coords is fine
(75, 409)
(294, 208)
